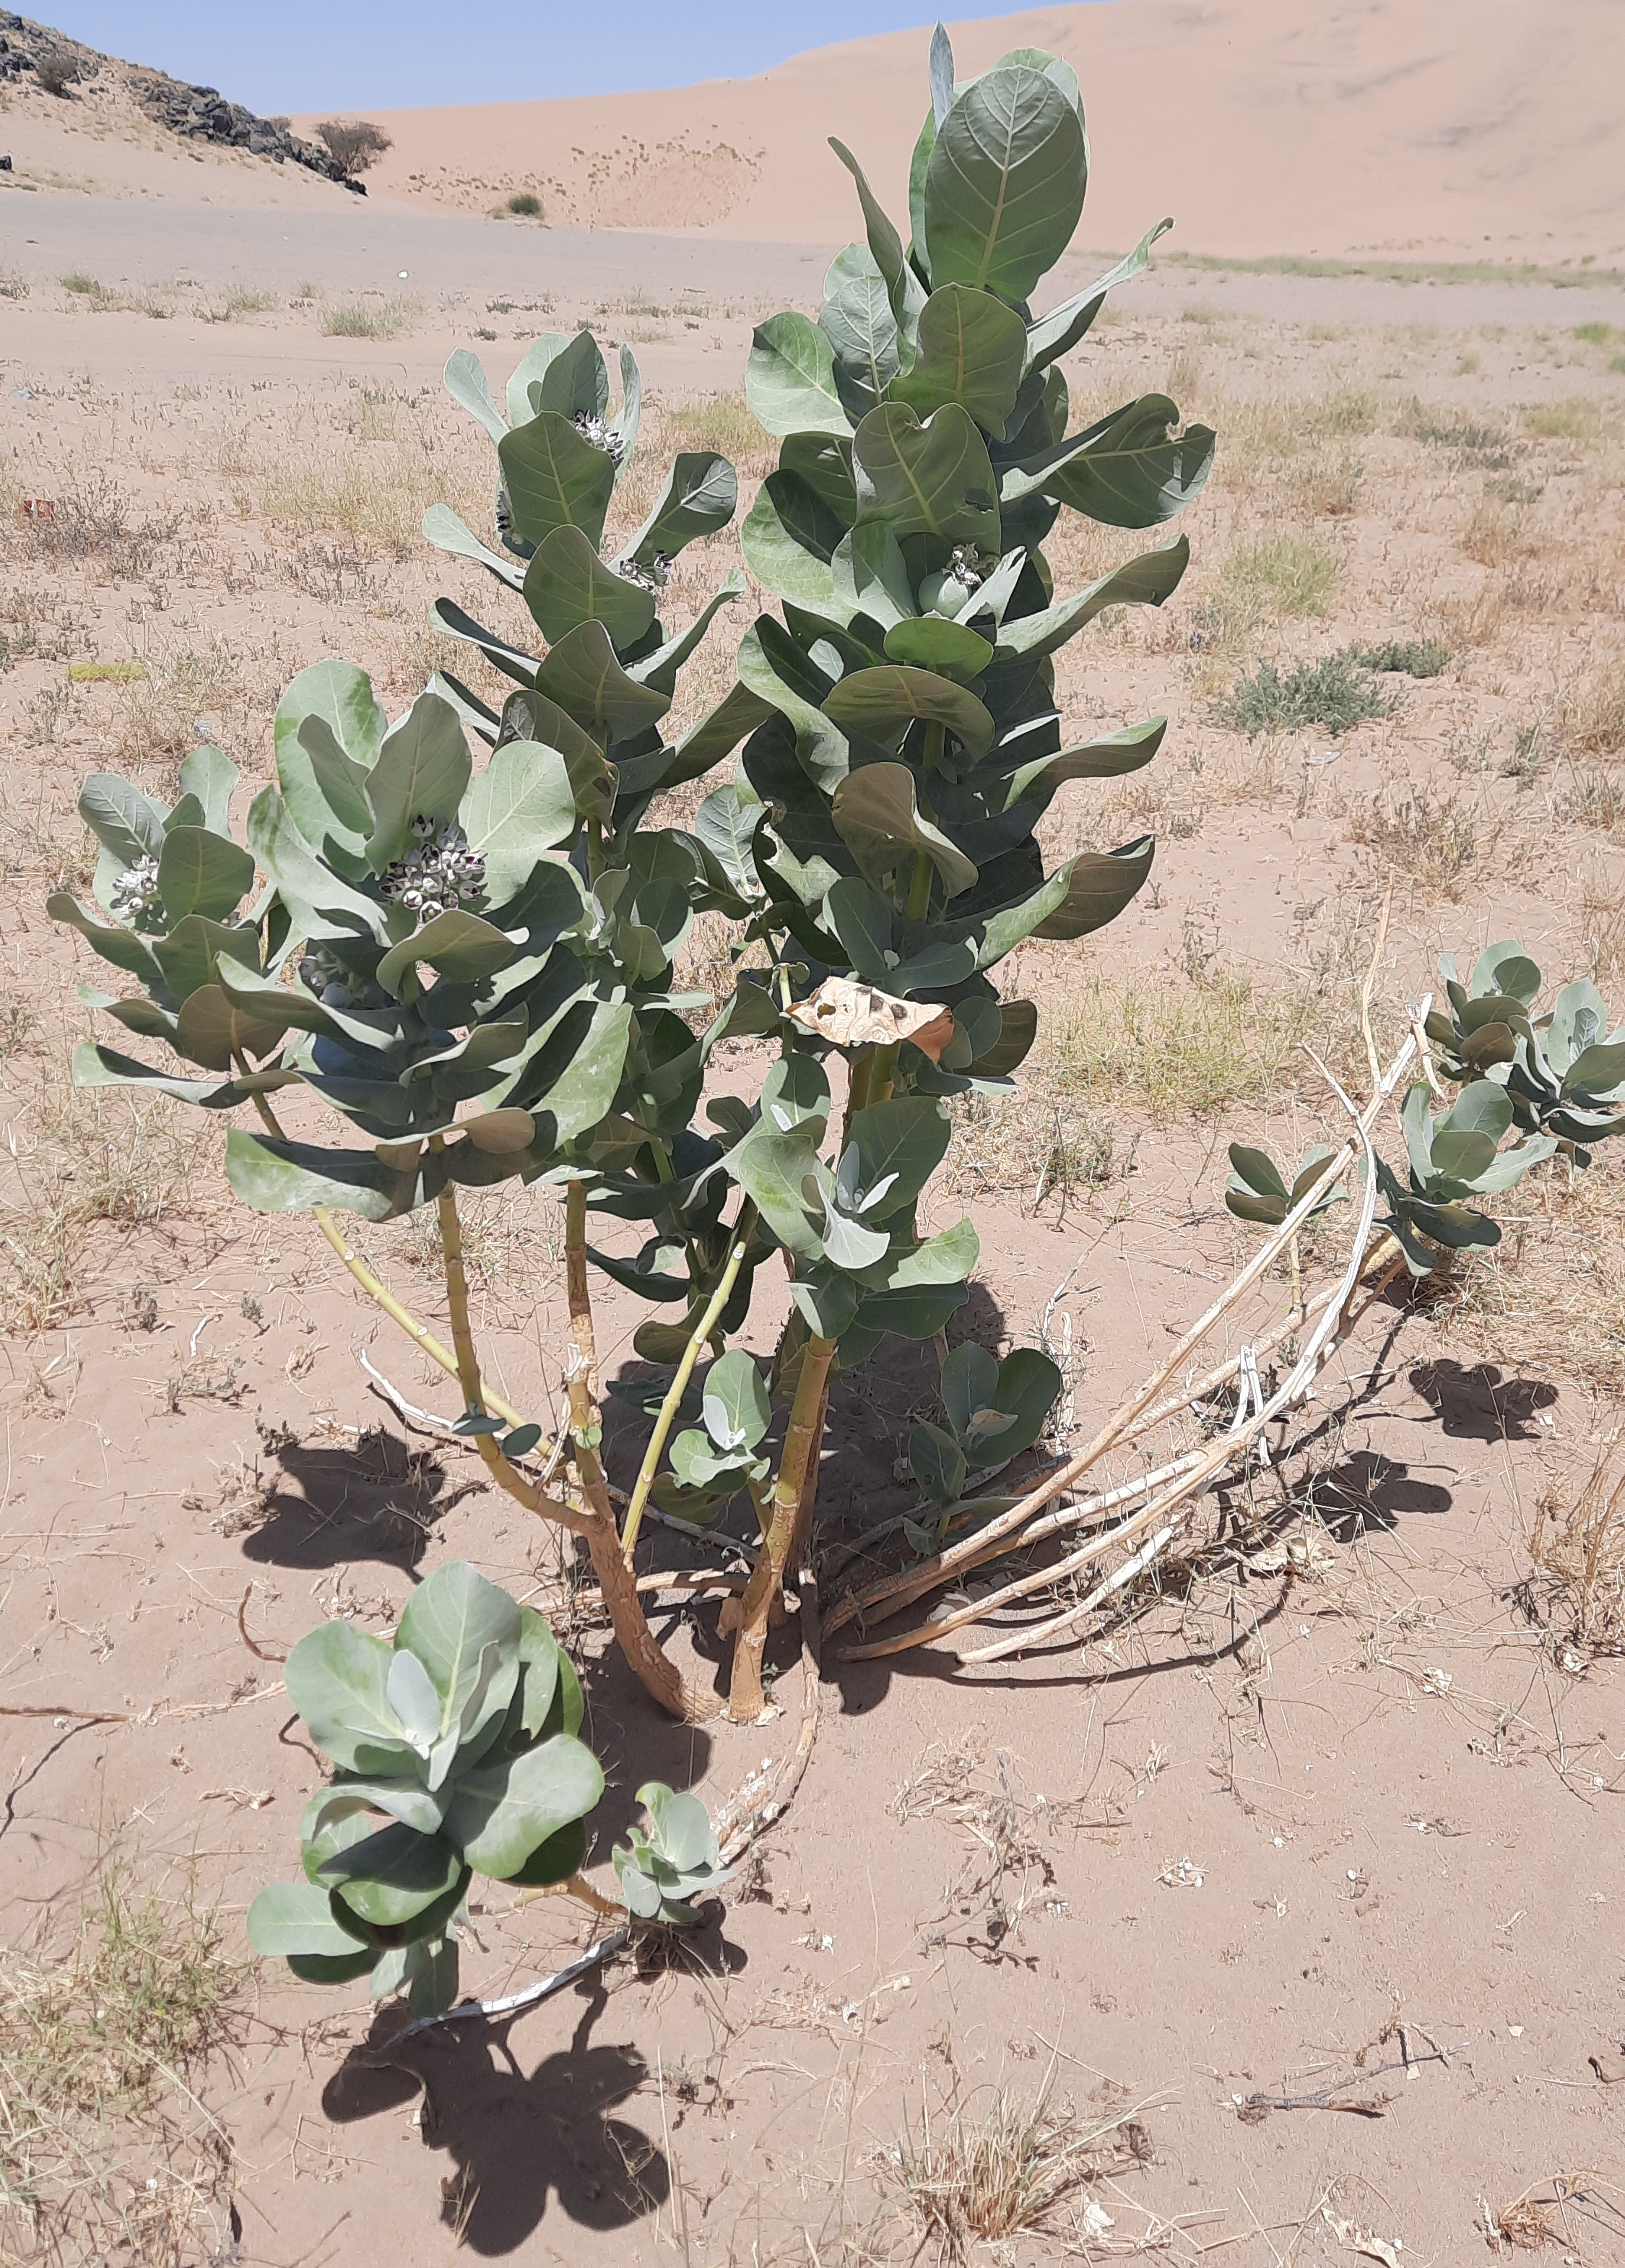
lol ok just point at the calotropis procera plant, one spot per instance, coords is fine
(472, 967)
(1556, 1080)
(456, 1752)
(883, 817)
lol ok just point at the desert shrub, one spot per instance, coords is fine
(355, 144)
(1404, 657)
(525, 205)
(355, 319)
(475, 968)
(1334, 695)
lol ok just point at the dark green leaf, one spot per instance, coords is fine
(555, 478)
(1004, 187)
(972, 351)
(567, 583)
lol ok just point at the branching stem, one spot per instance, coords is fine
(679, 1386)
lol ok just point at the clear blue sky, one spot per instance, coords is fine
(278, 55)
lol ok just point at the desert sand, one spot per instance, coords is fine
(1453, 128)
(1302, 1891)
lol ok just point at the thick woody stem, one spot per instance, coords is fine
(797, 1473)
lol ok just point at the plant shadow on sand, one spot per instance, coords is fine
(1480, 1403)
(522, 2144)
(328, 1506)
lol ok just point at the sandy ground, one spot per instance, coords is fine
(1314, 1830)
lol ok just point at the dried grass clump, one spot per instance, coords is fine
(1425, 840)
(1174, 1047)
(1551, 1297)
(95, 1161)
(973, 2182)
(1577, 1592)
(1592, 713)
(105, 2152)
(95, 527)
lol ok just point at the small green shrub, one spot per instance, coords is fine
(1404, 657)
(525, 205)
(1336, 695)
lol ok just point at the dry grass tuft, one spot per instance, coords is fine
(1549, 1298)
(95, 526)
(1576, 1592)
(1422, 838)
(1592, 713)
(94, 1162)
(106, 2152)
(970, 2182)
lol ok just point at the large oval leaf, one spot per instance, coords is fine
(449, 1619)
(555, 478)
(583, 675)
(297, 1919)
(1099, 884)
(124, 821)
(881, 704)
(1125, 472)
(500, 1813)
(421, 771)
(389, 1878)
(1004, 187)
(860, 326)
(567, 583)
(294, 1176)
(789, 380)
(935, 479)
(213, 1032)
(522, 806)
(972, 351)
(459, 943)
(877, 817)
(788, 538)
(338, 1680)
(701, 494)
(1143, 582)
(203, 874)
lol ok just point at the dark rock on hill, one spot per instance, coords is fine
(197, 113)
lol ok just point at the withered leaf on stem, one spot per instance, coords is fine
(858, 1016)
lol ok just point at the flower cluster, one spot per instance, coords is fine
(969, 566)
(652, 577)
(134, 895)
(600, 435)
(439, 874)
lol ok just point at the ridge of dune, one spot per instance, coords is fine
(1422, 129)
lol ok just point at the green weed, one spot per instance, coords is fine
(1333, 694)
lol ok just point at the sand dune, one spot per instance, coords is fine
(1483, 129)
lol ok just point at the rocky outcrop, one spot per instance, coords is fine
(197, 113)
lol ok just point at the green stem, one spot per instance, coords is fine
(882, 1071)
(637, 1642)
(418, 1333)
(858, 1089)
(675, 1392)
(507, 1477)
(920, 888)
(595, 849)
(936, 734)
